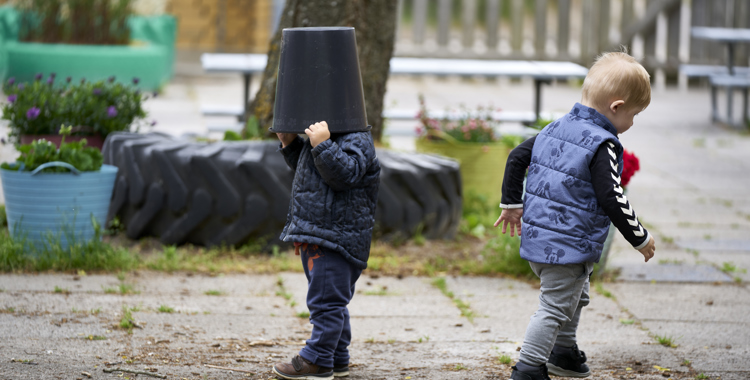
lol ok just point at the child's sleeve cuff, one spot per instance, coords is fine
(645, 242)
(518, 205)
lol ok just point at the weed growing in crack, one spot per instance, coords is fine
(60, 290)
(462, 305)
(666, 340)
(127, 322)
(303, 314)
(504, 359)
(600, 289)
(165, 309)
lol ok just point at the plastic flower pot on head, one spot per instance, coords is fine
(47, 208)
(319, 80)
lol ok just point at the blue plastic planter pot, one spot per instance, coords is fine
(60, 206)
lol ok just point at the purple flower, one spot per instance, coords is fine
(153, 123)
(136, 80)
(11, 80)
(68, 79)
(111, 111)
(111, 79)
(50, 80)
(21, 86)
(83, 80)
(33, 113)
(38, 76)
(2, 141)
(155, 94)
(12, 98)
(97, 91)
(52, 75)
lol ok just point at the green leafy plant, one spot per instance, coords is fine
(303, 314)
(41, 152)
(3, 217)
(213, 293)
(99, 22)
(42, 106)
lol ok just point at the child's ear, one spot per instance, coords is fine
(617, 104)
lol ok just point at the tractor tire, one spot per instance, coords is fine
(228, 193)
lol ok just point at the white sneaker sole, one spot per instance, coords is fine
(301, 377)
(341, 374)
(557, 371)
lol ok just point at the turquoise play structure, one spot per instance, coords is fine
(149, 56)
(45, 208)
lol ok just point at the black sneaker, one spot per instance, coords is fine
(341, 371)
(569, 364)
(537, 375)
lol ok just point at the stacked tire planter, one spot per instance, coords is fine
(228, 193)
(51, 208)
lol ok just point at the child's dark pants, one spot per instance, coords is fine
(330, 287)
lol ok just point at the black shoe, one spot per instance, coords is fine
(538, 375)
(341, 371)
(569, 364)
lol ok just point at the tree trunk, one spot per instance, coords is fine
(374, 22)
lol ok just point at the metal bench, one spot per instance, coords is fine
(731, 82)
(540, 71)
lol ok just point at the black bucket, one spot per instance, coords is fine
(319, 80)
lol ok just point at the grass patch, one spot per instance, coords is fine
(127, 322)
(666, 340)
(504, 359)
(16, 254)
(463, 306)
(382, 291)
(96, 337)
(3, 217)
(59, 290)
(425, 339)
(729, 267)
(600, 289)
(627, 321)
(303, 314)
(701, 376)
(460, 367)
(165, 309)
(213, 292)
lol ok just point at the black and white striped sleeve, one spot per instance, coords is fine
(610, 195)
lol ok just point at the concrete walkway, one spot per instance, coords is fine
(691, 193)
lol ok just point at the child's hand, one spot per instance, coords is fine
(511, 216)
(648, 250)
(318, 133)
(286, 138)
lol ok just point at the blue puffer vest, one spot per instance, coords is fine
(334, 194)
(562, 220)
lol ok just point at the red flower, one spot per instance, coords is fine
(630, 165)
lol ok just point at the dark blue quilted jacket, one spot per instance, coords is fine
(334, 194)
(562, 220)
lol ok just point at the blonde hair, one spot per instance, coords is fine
(616, 76)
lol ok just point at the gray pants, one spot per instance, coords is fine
(564, 292)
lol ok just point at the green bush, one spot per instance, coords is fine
(43, 106)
